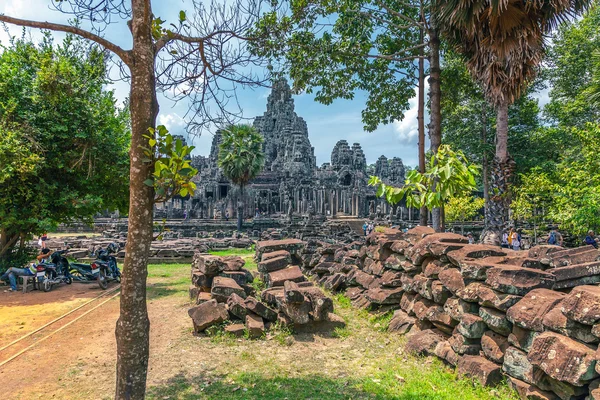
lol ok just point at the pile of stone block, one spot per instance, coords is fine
(222, 291)
(530, 316)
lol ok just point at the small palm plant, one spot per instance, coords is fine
(241, 158)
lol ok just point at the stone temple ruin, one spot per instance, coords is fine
(291, 183)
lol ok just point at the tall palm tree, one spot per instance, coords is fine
(241, 158)
(503, 43)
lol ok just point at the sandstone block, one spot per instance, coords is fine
(207, 264)
(517, 280)
(255, 326)
(424, 342)
(563, 359)
(477, 367)
(401, 322)
(444, 351)
(391, 279)
(522, 338)
(462, 345)
(488, 297)
(277, 253)
(277, 278)
(439, 292)
(207, 314)
(236, 330)
(384, 295)
(556, 321)
(496, 320)
(222, 288)
(583, 305)
(236, 306)
(452, 279)
(529, 312)
(494, 346)
(260, 309)
(233, 263)
(518, 366)
(472, 326)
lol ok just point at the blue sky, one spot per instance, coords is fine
(326, 124)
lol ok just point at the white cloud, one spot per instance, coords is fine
(407, 130)
(171, 121)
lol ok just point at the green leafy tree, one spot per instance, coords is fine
(63, 140)
(448, 174)
(201, 58)
(503, 45)
(462, 208)
(241, 158)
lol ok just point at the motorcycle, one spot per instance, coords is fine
(54, 271)
(103, 270)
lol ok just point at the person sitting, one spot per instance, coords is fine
(12, 273)
(44, 254)
(589, 239)
(504, 243)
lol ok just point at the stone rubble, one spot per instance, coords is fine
(531, 316)
(222, 289)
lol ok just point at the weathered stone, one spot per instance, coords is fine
(273, 264)
(583, 305)
(255, 326)
(353, 292)
(494, 346)
(391, 279)
(273, 296)
(452, 279)
(477, 367)
(260, 309)
(518, 366)
(496, 320)
(530, 392)
(445, 351)
(384, 295)
(237, 307)
(556, 321)
(541, 251)
(293, 246)
(401, 322)
(207, 314)
(436, 244)
(236, 330)
(292, 292)
(394, 262)
(422, 285)
(201, 280)
(439, 292)
(517, 280)
(240, 277)
(321, 305)
(277, 278)
(470, 292)
(233, 263)
(378, 253)
(522, 338)
(421, 307)
(193, 290)
(563, 358)
(222, 288)
(577, 271)
(578, 255)
(471, 326)
(462, 345)
(359, 278)
(529, 312)
(475, 251)
(440, 319)
(456, 308)
(399, 246)
(276, 254)
(335, 282)
(298, 313)
(488, 297)
(203, 297)
(207, 264)
(432, 267)
(408, 283)
(564, 390)
(407, 302)
(424, 342)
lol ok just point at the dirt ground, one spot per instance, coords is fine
(360, 362)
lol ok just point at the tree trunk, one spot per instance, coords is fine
(435, 118)
(484, 164)
(502, 169)
(421, 122)
(240, 211)
(133, 327)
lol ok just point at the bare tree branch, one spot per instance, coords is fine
(123, 54)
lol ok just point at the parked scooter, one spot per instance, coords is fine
(103, 270)
(54, 271)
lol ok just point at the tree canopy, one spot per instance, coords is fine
(63, 141)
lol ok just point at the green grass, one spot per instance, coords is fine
(246, 254)
(374, 365)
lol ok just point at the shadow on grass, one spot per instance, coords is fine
(255, 386)
(159, 290)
